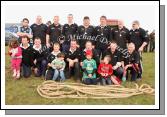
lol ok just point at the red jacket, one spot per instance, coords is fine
(105, 68)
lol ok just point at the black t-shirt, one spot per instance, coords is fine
(102, 36)
(85, 34)
(133, 58)
(69, 31)
(115, 57)
(39, 31)
(55, 32)
(121, 37)
(138, 36)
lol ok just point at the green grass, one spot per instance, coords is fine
(23, 91)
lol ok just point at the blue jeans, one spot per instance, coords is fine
(105, 81)
(41, 68)
(90, 81)
(26, 70)
(57, 73)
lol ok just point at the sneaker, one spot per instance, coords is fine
(18, 75)
(14, 73)
(123, 78)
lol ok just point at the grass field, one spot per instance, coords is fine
(23, 91)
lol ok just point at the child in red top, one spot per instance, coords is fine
(105, 71)
(16, 57)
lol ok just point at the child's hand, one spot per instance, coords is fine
(81, 64)
(90, 75)
(35, 61)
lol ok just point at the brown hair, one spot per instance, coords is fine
(103, 17)
(13, 43)
(28, 39)
(61, 55)
(85, 18)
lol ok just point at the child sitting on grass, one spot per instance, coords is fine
(16, 57)
(58, 65)
(89, 67)
(105, 71)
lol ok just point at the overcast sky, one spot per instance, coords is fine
(144, 13)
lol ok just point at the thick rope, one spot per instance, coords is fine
(52, 89)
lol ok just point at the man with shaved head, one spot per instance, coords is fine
(39, 29)
(120, 35)
(131, 63)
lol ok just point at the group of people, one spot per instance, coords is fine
(89, 54)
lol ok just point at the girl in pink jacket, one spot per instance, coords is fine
(16, 57)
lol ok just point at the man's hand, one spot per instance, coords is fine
(48, 44)
(71, 63)
(140, 49)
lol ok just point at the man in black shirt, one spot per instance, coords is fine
(131, 63)
(120, 35)
(73, 58)
(102, 33)
(138, 36)
(69, 31)
(115, 59)
(54, 32)
(85, 33)
(39, 30)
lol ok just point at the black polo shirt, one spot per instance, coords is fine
(133, 58)
(115, 57)
(69, 31)
(138, 36)
(73, 55)
(120, 36)
(102, 36)
(55, 32)
(39, 31)
(85, 34)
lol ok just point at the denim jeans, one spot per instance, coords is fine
(25, 70)
(58, 73)
(105, 81)
(41, 68)
(90, 81)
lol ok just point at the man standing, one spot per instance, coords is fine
(24, 30)
(102, 33)
(69, 31)
(54, 32)
(120, 35)
(139, 37)
(85, 33)
(39, 30)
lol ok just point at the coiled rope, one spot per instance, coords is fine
(52, 89)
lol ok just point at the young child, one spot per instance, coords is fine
(16, 57)
(58, 65)
(89, 67)
(105, 71)
(53, 55)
